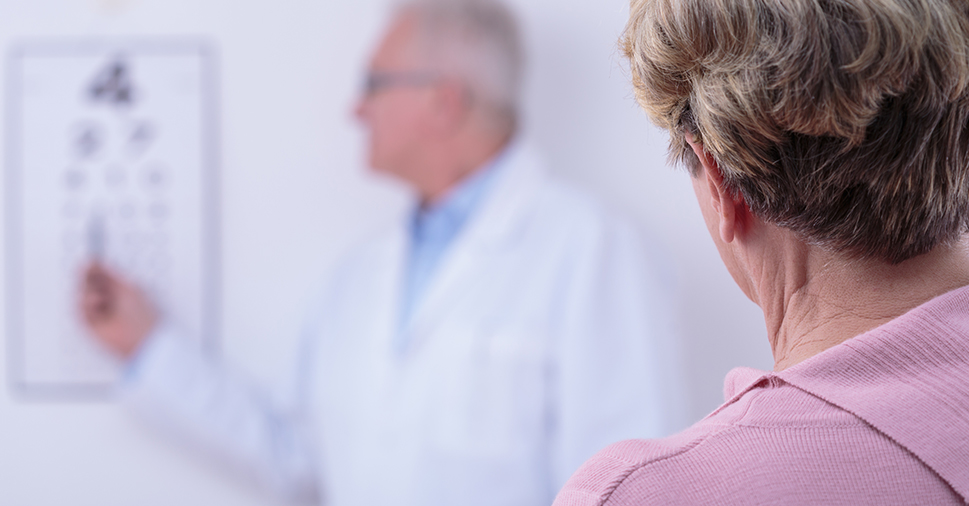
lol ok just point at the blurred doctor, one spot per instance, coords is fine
(476, 353)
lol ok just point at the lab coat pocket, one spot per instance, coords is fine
(493, 401)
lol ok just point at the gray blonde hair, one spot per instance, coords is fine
(477, 41)
(846, 121)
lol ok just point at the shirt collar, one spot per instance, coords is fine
(450, 214)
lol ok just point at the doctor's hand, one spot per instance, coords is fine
(117, 313)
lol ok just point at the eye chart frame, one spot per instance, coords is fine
(154, 221)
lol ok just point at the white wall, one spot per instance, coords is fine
(296, 195)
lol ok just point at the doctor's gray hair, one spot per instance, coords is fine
(476, 41)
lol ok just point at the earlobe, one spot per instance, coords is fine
(452, 103)
(728, 219)
(724, 204)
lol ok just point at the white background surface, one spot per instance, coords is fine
(296, 194)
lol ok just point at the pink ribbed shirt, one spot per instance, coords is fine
(880, 419)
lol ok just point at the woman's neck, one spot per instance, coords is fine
(813, 300)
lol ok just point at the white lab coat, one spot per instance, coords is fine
(541, 338)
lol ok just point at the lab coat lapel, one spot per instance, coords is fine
(489, 229)
(390, 274)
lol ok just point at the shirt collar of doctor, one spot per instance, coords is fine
(450, 214)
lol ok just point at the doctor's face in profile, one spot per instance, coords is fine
(395, 103)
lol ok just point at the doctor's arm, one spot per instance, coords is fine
(117, 313)
(616, 375)
(174, 386)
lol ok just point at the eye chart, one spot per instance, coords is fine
(111, 157)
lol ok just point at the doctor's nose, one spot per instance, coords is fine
(359, 111)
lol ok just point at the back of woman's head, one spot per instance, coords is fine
(846, 121)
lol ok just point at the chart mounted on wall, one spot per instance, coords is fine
(111, 157)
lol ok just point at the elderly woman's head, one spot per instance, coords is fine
(844, 121)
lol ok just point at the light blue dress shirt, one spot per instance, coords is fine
(433, 229)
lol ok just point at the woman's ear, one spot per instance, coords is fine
(731, 210)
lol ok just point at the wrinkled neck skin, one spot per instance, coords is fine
(814, 299)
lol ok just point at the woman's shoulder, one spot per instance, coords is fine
(774, 444)
(596, 481)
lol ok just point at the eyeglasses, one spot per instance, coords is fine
(376, 82)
